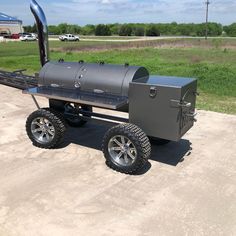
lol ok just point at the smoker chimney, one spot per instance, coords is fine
(42, 27)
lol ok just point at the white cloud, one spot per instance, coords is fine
(105, 1)
(108, 11)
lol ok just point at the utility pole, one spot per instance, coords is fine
(207, 14)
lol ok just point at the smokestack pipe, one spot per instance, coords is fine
(42, 27)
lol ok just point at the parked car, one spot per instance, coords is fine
(23, 34)
(34, 35)
(28, 38)
(5, 34)
(15, 36)
(69, 37)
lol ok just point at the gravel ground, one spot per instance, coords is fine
(188, 188)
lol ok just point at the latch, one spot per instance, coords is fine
(177, 103)
(153, 92)
(185, 104)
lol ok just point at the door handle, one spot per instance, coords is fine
(153, 92)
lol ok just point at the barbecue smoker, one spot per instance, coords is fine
(159, 107)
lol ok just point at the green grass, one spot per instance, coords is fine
(214, 67)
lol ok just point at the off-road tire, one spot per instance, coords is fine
(56, 120)
(139, 140)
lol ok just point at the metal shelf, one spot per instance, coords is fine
(88, 98)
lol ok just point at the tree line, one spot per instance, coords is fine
(171, 29)
(230, 30)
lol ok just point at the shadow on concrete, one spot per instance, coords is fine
(171, 153)
(91, 135)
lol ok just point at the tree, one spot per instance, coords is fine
(88, 30)
(214, 29)
(63, 28)
(125, 30)
(200, 29)
(153, 30)
(27, 28)
(30, 29)
(231, 30)
(53, 29)
(187, 29)
(34, 28)
(102, 30)
(74, 29)
(114, 28)
(139, 31)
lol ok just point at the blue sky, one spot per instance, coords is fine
(110, 11)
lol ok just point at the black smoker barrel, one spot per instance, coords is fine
(97, 78)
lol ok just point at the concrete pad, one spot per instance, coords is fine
(188, 188)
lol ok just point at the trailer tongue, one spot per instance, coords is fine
(159, 107)
(17, 80)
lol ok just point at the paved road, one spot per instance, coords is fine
(70, 191)
(91, 39)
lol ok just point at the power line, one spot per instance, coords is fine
(207, 14)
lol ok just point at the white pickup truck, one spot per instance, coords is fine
(69, 37)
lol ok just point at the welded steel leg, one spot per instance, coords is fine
(35, 101)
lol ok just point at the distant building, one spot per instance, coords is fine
(10, 25)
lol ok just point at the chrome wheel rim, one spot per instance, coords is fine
(42, 130)
(122, 150)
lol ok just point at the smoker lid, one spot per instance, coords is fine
(99, 77)
(169, 81)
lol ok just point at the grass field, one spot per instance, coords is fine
(212, 62)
